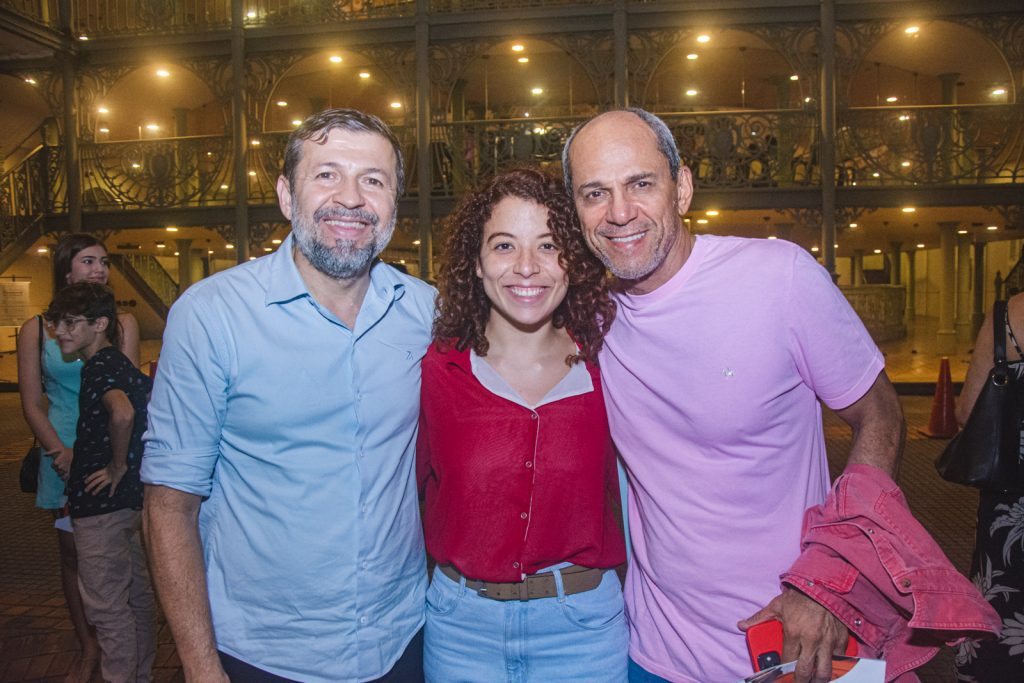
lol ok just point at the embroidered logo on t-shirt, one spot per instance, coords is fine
(727, 372)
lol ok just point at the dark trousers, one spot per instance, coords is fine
(408, 668)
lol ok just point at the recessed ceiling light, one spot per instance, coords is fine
(772, 237)
(807, 100)
(102, 110)
(177, 253)
(255, 142)
(267, 249)
(252, 258)
(961, 232)
(876, 174)
(252, 174)
(905, 164)
(364, 74)
(416, 243)
(42, 250)
(163, 73)
(30, 80)
(152, 126)
(229, 246)
(171, 228)
(251, 14)
(104, 129)
(223, 187)
(396, 105)
(691, 92)
(537, 91)
(992, 227)
(518, 47)
(523, 60)
(296, 122)
(853, 225)
(136, 164)
(712, 212)
(702, 221)
(999, 91)
(814, 249)
(908, 209)
(904, 117)
(161, 245)
(878, 251)
(911, 30)
(335, 59)
(282, 103)
(794, 77)
(275, 241)
(892, 98)
(692, 56)
(703, 38)
(209, 251)
(83, 37)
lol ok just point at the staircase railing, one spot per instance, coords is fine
(158, 279)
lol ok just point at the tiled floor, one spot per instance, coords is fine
(36, 642)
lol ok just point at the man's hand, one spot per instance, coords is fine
(110, 475)
(811, 634)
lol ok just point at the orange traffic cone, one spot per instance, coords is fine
(942, 424)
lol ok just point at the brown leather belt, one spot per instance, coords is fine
(574, 580)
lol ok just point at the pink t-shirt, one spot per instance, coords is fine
(712, 384)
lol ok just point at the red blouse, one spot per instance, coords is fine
(511, 490)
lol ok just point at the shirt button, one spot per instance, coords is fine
(364, 564)
(362, 454)
(515, 565)
(529, 464)
(533, 416)
(365, 509)
(364, 620)
(522, 515)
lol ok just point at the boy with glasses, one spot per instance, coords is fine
(104, 490)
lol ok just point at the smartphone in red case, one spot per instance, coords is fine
(764, 641)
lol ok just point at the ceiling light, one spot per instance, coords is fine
(692, 56)
(209, 251)
(794, 77)
(876, 174)
(905, 164)
(878, 251)
(267, 249)
(892, 98)
(83, 37)
(281, 103)
(908, 209)
(523, 60)
(252, 258)
(275, 241)
(396, 105)
(920, 246)
(814, 249)
(296, 122)
(904, 117)
(153, 126)
(364, 74)
(229, 246)
(335, 59)
(416, 243)
(853, 225)
(999, 91)
(252, 174)
(703, 38)
(30, 80)
(992, 227)
(171, 228)
(177, 253)
(691, 92)
(807, 100)
(42, 250)
(161, 245)
(136, 164)
(772, 237)
(702, 221)
(102, 110)
(104, 129)
(163, 73)
(911, 30)
(251, 14)
(223, 187)
(961, 232)
(518, 47)
(537, 91)
(712, 212)
(255, 142)
(526, 114)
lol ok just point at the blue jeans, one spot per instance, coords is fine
(472, 639)
(638, 674)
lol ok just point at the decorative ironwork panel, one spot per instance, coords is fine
(647, 49)
(478, 5)
(931, 145)
(596, 54)
(93, 85)
(194, 171)
(1006, 31)
(262, 74)
(133, 17)
(747, 149)
(448, 61)
(798, 44)
(464, 154)
(285, 12)
(42, 11)
(854, 41)
(27, 193)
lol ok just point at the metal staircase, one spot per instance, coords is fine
(146, 274)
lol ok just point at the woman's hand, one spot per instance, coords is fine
(62, 461)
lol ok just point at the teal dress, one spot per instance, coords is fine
(62, 379)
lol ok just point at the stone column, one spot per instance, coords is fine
(945, 338)
(857, 267)
(895, 262)
(963, 289)
(911, 286)
(978, 310)
(239, 130)
(423, 215)
(72, 167)
(184, 264)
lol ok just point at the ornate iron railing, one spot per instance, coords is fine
(128, 17)
(936, 145)
(261, 12)
(42, 11)
(482, 5)
(31, 190)
(189, 171)
(155, 276)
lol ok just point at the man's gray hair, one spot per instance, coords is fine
(666, 143)
(318, 126)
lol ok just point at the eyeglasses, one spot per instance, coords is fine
(70, 323)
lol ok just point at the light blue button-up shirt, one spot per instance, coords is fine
(300, 433)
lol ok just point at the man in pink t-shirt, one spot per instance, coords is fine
(713, 371)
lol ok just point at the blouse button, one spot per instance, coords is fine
(522, 515)
(529, 464)
(515, 565)
(533, 416)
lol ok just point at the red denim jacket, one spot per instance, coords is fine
(871, 563)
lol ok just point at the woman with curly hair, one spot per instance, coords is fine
(514, 450)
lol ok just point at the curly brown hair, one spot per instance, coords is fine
(587, 310)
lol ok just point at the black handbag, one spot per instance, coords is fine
(28, 474)
(987, 452)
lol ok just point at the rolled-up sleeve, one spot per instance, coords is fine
(186, 412)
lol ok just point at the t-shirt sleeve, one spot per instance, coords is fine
(832, 349)
(186, 412)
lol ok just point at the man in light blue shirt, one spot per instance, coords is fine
(281, 511)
